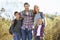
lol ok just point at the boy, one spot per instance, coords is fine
(17, 22)
(39, 30)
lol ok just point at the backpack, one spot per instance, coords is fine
(41, 14)
(12, 26)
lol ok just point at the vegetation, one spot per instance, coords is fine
(52, 30)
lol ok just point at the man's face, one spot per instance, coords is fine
(26, 7)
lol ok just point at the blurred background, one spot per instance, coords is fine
(50, 8)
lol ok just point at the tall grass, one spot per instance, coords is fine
(52, 30)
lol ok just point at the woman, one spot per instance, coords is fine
(38, 15)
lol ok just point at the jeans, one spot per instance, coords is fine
(17, 36)
(26, 34)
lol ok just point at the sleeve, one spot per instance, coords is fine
(11, 27)
(34, 24)
(35, 21)
(22, 12)
(22, 21)
(45, 22)
(42, 31)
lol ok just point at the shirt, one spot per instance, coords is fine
(38, 30)
(36, 18)
(28, 20)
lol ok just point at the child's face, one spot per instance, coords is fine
(17, 15)
(40, 21)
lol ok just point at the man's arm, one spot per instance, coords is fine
(22, 12)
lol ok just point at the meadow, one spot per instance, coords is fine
(52, 29)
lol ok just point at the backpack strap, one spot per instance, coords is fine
(41, 14)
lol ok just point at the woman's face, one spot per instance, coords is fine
(36, 8)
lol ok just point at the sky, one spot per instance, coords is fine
(46, 6)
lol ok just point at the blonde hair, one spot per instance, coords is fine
(40, 21)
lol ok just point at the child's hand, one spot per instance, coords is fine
(32, 27)
(13, 34)
(40, 22)
(41, 38)
(12, 22)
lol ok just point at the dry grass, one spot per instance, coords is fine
(52, 30)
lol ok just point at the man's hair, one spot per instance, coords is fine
(26, 3)
(15, 12)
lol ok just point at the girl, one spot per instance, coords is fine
(39, 30)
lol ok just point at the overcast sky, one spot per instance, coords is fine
(46, 6)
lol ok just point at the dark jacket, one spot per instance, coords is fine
(16, 27)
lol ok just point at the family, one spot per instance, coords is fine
(27, 21)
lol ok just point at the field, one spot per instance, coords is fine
(52, 30)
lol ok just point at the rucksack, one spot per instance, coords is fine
(41, 14)
(12, 26)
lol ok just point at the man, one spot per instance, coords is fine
(27, 14)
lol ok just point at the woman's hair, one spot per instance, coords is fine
(34, 8)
